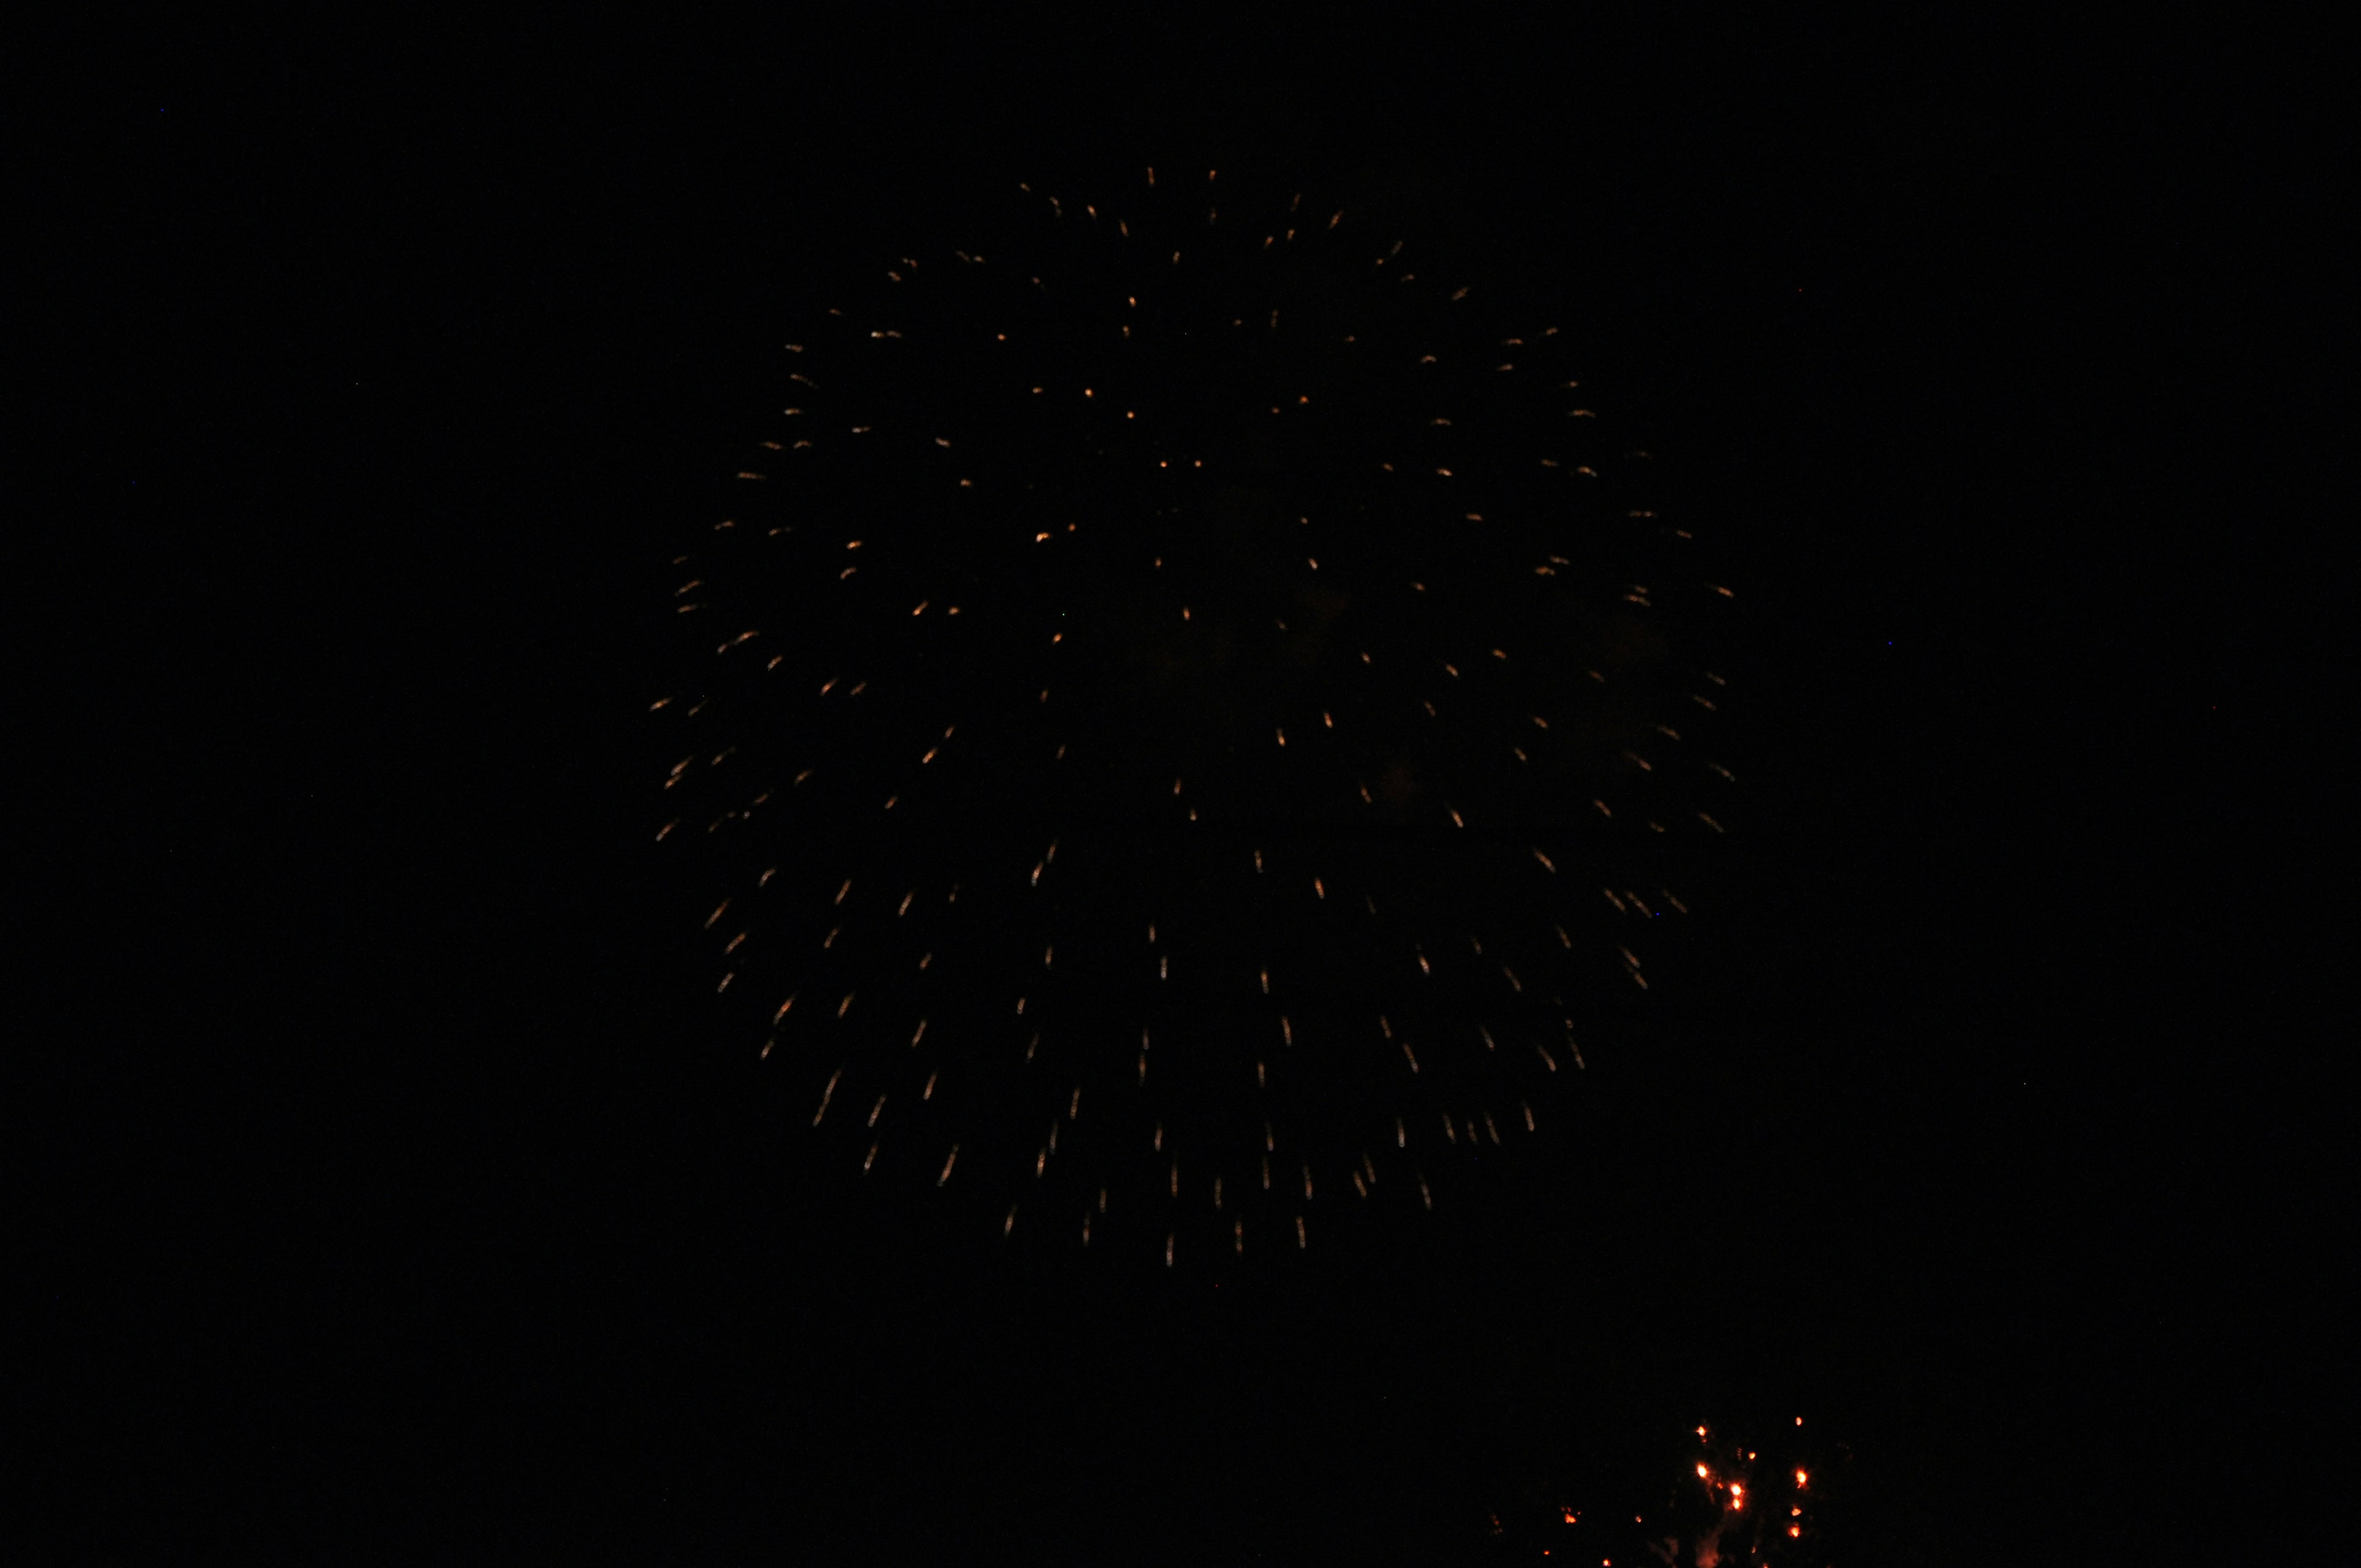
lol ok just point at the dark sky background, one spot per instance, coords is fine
(405, 1207)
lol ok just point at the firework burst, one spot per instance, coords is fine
(1194, 723)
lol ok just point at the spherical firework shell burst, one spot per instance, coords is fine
(1193, 722)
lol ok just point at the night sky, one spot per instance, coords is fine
(410, 1193)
